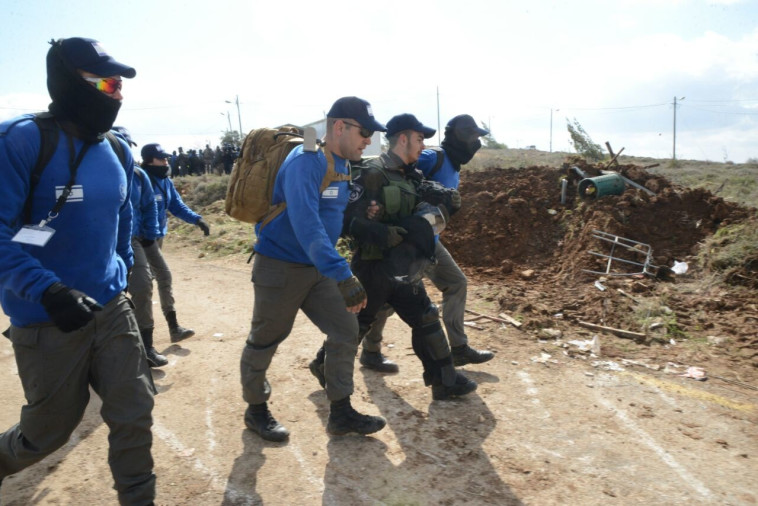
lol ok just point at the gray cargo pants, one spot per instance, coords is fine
(281, 289)
(149, 264)
(56, 370)
(450, 280)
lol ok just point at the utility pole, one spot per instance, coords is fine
(551, 128)
(228, 118)
(239, 117)
(674, 152)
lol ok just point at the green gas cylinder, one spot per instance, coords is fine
(595, 187)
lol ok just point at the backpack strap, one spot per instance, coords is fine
(48, 136)
(438, 163)
(331, 174)
(118, 148)
(330, 177)
(48, 143)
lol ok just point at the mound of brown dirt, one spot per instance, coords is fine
(514, 218)
(513, 232)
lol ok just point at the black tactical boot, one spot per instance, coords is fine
(154, 359)
(462, 386)
(343, 419)
(260, 420)
(176, 331)
(378, 362)
(317, 367)
(465, 354)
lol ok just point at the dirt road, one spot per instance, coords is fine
(539, 430)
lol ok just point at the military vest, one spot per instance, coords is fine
(397, 195)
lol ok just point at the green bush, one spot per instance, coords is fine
(201, 191)
(730, 246)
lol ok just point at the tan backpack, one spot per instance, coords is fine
(248, 197)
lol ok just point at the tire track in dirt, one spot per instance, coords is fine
(556, 433)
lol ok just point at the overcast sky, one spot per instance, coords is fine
(614, 65)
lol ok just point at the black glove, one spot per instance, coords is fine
(146, 243)
(203, 226)
(352, 291)
(68, 308)
(395, 235)
(435, 193)
(455, 201)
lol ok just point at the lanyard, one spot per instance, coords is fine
(74, 161)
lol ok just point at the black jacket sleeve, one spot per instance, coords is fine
(356, 224)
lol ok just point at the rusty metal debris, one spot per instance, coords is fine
(631, 265)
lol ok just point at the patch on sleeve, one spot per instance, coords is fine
(331, 192)
(355, 193)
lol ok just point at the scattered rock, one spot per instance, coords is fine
(550, 333)
(527, 274)
(716, 340)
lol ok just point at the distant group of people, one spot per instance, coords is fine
(81, 225)
(203, 161)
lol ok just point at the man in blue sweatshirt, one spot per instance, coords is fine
(144, 233)
(64, 256)
(167, 199)
(297, 267)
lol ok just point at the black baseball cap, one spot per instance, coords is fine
(408, 122)
(466, 124)
(150, 151)
(124, 133)
(89, 55)
(357, 109)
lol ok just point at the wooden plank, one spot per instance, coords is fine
(475, 318)
(627, 334)
(608, 145)
(622, 292)
(496, 319)
(511, 320)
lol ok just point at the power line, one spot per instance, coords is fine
(724, 112)
(726, 100)
(614, 108)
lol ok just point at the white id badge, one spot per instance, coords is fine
(34, 235)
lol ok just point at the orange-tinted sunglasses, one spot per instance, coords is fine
(105, 84)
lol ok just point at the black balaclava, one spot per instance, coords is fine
(460, 145)
(159, 171)
(89, 113)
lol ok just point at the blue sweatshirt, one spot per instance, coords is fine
(308, 229)
(167, 199)
(446, 175)
(144, 208)
(91, 248)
